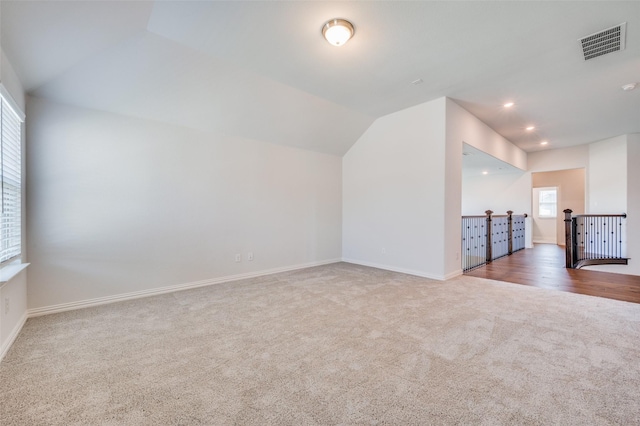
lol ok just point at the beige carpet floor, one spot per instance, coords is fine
(337, 344)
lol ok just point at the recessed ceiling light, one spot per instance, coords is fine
(544, 143)
(629, 87)
(530, 128)
(485, 172)
(418, 81)
(338, 31)
(508, 105)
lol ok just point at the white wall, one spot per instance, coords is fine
(13, 318)
(607, 176)
(558, 159)
(496, 192)
(458, 124)
(613, 180)
(467, 127)
(633, 204)
(394, 193)
(11, 82)
(119, 205)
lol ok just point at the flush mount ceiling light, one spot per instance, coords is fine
(530, 128)
(628, 87)
(508, 105)
(338, 31)
(544, 143)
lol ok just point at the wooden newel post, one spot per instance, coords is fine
(489, 213)
(510, 233)
(568, 237)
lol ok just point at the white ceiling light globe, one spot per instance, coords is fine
(338, 31)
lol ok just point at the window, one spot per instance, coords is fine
(548, 202)
(10, 178)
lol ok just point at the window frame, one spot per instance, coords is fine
(553, 206)
(11, 114)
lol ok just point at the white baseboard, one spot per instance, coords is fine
(401, 270)
(12, 336)
(453, 274)
(545, 242)
(63, 307)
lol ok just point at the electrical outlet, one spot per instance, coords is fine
(238, 257)
(384, 250)
(250, 256)
(7, 305)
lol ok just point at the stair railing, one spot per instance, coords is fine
(594, 239)
(489, 237)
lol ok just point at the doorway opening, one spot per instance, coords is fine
(551, 193)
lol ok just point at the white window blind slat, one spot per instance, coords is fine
(11, 182)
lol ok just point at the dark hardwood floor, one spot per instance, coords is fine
(543, 266)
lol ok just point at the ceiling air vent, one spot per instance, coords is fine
(603, 42)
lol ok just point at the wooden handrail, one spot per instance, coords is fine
(623, 215)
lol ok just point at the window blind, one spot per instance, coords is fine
(11, 181)
(548, 203)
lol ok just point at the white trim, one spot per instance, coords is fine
(453, 274)
(12, 336)
(8, 272)
(394, 269)
(538, 203)
(12, 103)
(545, 242)
(80, 304)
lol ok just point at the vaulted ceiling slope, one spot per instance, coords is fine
(261, 70)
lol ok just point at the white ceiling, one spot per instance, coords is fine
(261, 70)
